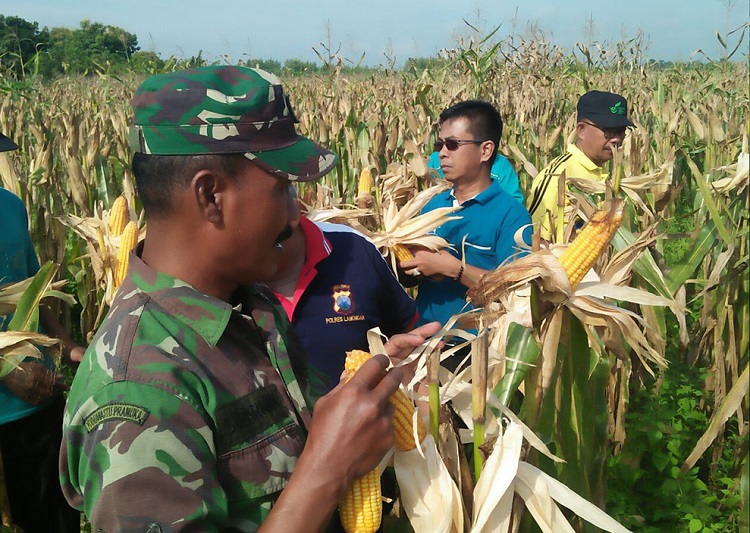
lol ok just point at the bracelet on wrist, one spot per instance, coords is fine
(460, 273)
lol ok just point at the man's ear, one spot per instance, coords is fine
(488, 148)
(580, 130)
(209, 188)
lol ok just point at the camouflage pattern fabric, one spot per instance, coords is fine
(186, 414)
(225, 110)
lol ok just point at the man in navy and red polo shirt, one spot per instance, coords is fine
(334, 286)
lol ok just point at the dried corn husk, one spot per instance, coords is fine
(429, 496)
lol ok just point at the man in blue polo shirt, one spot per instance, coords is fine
(30, 413)
(334, 286)
(484, 236)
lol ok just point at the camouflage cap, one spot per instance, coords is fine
(6, 144)
(225, 110)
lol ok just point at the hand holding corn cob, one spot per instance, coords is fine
(351, 432)
(421, 261)
(361, 505)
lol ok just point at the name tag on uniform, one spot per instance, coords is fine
(251, 417)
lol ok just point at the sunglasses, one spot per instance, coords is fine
(610, 133)
(453, 144)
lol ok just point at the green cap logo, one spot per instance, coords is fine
(617, 109)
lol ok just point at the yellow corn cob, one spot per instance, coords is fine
(403, 408)
(364, 185)
(128, 240)
(361, 505)
(402, 253)
(118, 216)
(582, 253)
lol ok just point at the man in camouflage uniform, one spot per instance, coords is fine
(191, 410)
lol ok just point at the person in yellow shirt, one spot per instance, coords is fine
(602, 124)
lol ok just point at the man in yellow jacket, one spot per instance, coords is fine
(602, 125)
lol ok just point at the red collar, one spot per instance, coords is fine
(317, 248)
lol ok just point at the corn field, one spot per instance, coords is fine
(683, 173)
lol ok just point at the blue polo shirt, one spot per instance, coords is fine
(344, 289)
(18, 261)
(489, 222)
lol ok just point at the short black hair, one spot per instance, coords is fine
(484, 120)
(159, 177)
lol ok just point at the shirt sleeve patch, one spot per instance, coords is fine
(116, 411)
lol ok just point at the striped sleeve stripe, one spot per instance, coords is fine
(539, 192)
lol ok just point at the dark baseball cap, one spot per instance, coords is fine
(225, 110)
(6, 144)
(606, 110)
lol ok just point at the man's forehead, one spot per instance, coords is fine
(455, 125)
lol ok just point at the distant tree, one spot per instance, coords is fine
(419, 64)
(93, 45)
(269, 65)
(297, 66)
(20, 41)
(147, 63)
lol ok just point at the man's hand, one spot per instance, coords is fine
(352, 427)
(75, 355)
(351, 431)
(34, 383)
(401, 345)
(429, 263)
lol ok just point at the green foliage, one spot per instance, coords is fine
(420, 64)
(269, 65)
(297, 67)
(646, 491)
(88, 48)
(20, 41)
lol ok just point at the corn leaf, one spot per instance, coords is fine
(491, 508)
(730, 405)
(521, 348)
(429, 496)
(532, 476)
(26, 316)
(686, 267)
(709, 200)
(645, 265)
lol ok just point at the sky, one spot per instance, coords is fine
(386, 30)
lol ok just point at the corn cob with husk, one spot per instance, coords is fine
(585, 249)
(402, 253)
(364, 198)
(119, 216)
(403, 407)
(128, 240)
(555, 275)
(361, 505)
(364, 184)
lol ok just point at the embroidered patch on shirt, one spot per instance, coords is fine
(342, 299)
(116, 411)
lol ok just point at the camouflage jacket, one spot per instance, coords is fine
(186, 413)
